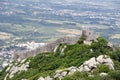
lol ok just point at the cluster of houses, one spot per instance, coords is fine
(6, 57)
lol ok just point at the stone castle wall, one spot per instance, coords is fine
(66, 40)
(48, 47)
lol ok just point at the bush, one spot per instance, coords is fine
(101, 68)
(82, 38)
(3, 73)
(115, 55)
(115, 75)
(117, 65)
(76, 76)
(100, 46)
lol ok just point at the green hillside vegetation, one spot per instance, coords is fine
(44, 64)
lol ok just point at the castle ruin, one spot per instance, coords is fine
(50, 47)
(89, 36)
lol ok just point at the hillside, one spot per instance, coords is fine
(78, 61)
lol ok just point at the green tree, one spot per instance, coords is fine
(100, 45)
(81, 40)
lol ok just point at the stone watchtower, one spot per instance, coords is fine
(90, 36)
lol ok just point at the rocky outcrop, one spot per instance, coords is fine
(46, 78)
(103, 74)
(55, 49)
(16, 68)
(104, 59)
(60, 74)
(72, 70)
(61, 48)
(86, 66)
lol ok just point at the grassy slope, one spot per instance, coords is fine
(45, 64)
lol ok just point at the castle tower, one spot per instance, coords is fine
(89, 34)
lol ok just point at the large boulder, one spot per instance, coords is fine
(48, 78)
(103, 74)
(64, 73)
(72, 70)
(81, 68)
(104, 59)
(41, 78)
(88, 65)
(60, 74)
(86, 68)
(91, 63)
